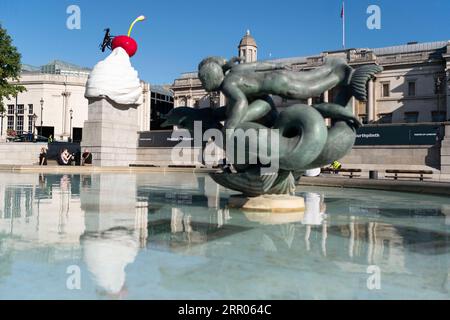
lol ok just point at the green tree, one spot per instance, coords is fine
(10, 68)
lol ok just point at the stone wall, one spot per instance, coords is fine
(366, 158)
(393, 157)
(164, 157)
(20, 153)
(445, 152)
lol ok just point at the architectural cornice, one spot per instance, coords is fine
(76, 84)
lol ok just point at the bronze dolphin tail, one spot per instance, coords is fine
(359, 79)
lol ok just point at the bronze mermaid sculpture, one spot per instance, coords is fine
(303, 139)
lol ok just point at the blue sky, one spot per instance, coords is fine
(179, 33)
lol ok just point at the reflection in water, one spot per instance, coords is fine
(106, 255)
(116, 225)
(314, 209)
(314, 215)
(173, 236)
(38, 212)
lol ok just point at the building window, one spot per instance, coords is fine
(438, 116)
(411, 117)
(10, 122)
(411, 88)
(385, 118)
(19, 124)
(30, 109)
(385, 90)
(10, 109)
(20, 109)
(30, 123)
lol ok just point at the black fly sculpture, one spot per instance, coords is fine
(107, 40)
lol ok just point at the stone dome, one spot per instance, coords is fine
(248, 40)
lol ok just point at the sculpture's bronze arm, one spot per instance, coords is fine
(260, 67)
(231, 63)
(237, 105)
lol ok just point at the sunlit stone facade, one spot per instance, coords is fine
(414, 86)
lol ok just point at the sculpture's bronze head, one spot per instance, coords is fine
(211, 73)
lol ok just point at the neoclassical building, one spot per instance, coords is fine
(414, 86)
(54, 102)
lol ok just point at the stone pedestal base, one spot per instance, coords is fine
(445, 152)
(270, 209)
(110, 133)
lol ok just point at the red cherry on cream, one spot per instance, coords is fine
(126, 43)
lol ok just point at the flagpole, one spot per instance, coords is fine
(343, 24)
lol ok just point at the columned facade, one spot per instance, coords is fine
(66, 115)
(44, 108)
(326, 96)
(370, 102)
(414, 86)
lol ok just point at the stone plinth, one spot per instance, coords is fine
(110, 133)
(445, 152)
(270, 209)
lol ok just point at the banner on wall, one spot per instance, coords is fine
(399, 135)
(366, 136)
(159, 139)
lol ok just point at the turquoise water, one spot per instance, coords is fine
(171, 236)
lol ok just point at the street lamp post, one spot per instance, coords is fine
(2, 115)
(34, 124)
(42, 109)
(71, 117)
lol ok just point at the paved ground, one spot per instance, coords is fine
(440, 188)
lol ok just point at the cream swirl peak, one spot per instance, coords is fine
(116, 79)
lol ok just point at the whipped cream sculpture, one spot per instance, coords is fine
(115, 78)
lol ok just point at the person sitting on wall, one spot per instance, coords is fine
(66, 158)
(43, 157)
(86, 158)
